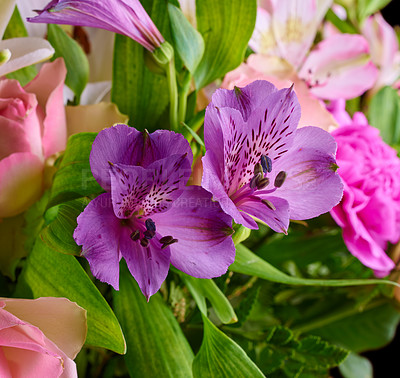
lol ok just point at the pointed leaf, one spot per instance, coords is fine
(74, 57)
(219, 356)
(226, 27)
(205, 288)
(48, 273)
(188, 41)
(156, 344)
(58, 234)
(247, 262)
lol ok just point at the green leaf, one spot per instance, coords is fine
(58, 234)
(138, 92)
(285, 352)
(247, 262)
(74, 177)
(355, 366)
(194, 135)
(246, 305)
(156, 344)
(360, 331)
(341, 25)
(226, 27)
(48, 273)
(384, 114)
(188, 41)
(16, 29)
(219, 356)
(367, 7)
(205, 288)
(74, 57)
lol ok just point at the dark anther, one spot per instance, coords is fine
(269, 204)
(150, 225)
(254, 181)
(258, 169)
(166, 239)
(266, 164)
(135, 235)
(166, 244)
(144, 242)
(280, 179)
(262, 183)
(149, 234)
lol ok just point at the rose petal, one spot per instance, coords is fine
(21, 183)
(47, 314)
(48, 88)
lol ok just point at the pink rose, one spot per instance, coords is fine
(369, 212)
(32, 128)
(40, 337)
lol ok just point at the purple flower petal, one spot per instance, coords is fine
(149, 266)
(122, 144)
(273, 211)
(203, 249)
(312, 186)
(118, 144)
(119, 16)
(246, 99)
(98, 233)
(211, 181)
(151, 189)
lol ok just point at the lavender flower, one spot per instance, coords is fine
(148, 216)
(126, 17)
(259, 166)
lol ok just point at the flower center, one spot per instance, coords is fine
(147, 234)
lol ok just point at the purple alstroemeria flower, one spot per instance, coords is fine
(126, 17)
(258, 165)
(148, 216)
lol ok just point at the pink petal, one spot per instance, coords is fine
(48, 87)
(339, 67)
(48, 314)
(21, 183)
(263, 41)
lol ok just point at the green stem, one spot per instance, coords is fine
(334, 317)
(173, 95)
(183, 93)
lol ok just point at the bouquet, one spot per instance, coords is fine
(198, 188)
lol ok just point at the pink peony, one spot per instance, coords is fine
(40, 337)
(369, 212)
(32, 128)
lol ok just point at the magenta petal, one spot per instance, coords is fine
(119, 144)
(243, 99)
(277, 218)
(149, 266)
(204, 248)
(98, 233)
(312, 186)
(339, 67)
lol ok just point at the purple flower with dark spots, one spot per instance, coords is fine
(126, 17)
(259, 166)
(148, 215)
